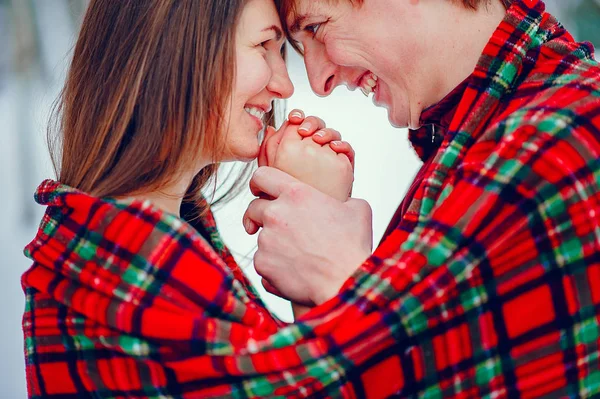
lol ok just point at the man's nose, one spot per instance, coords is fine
(321, 71)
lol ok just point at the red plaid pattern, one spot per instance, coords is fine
(488, 287)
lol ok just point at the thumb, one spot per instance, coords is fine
(270, 288)
(263, 160)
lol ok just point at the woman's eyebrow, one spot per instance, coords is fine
(277, 30)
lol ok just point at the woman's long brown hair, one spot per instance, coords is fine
(147, 91)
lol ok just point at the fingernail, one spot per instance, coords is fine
(336, 142)
(305, 127)
(247, 224)
(320, 133)
(296, 115)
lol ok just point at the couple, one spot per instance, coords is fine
(486, 284)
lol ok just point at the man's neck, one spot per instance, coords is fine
(468, 32)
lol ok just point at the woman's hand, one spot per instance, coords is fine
(307, 150)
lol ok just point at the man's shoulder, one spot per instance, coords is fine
(547, 119)
(551, 98)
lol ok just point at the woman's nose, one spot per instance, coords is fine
(280, 83)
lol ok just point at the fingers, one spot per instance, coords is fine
(343, 147)
(271, 289)
(334, 139)
(310, 125)
(326, 136)
(270, 181)
(271, 143)
(254, 215)
(296, 116)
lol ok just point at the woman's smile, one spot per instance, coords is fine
(257, 114)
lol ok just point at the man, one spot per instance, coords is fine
(487, 282)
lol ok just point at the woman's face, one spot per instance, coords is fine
(261, 76)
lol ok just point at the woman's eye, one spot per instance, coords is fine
(314, 28)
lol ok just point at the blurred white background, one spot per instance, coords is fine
(35, 40)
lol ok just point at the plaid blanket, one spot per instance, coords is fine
(488, 287)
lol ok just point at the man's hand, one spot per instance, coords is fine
(310, 243)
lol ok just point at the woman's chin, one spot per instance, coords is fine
(247, 154)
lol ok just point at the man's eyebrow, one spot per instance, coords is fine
(277, 30)
(296, 25)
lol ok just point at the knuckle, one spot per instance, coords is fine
(260, 263)
(316, 120)
(259, 172)
(329, 133)
(287, 146)
(271, 218)
(288, 149)
(295, 191)
(253, 204)
(262, 242)
(342, 164)
(365, 208)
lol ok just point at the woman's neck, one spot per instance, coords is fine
(170, 203)
(169, 197)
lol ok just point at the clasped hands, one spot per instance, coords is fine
(311, 235)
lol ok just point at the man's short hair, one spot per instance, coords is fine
(287, 7)
(288, 4)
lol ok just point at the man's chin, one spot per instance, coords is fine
(396, 122)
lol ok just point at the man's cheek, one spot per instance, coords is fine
(339, 54)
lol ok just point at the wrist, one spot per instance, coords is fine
(331, 283)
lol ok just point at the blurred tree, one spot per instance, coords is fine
(77, 9)
(5, 43)
(580, 17)
(25, 72)
(587, 17)
(38, 37)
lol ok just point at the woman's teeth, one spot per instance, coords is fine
(368, 83)
(257, 112)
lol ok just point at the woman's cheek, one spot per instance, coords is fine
(253, 75)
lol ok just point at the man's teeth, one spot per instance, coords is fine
(368, 83)
(259, 113)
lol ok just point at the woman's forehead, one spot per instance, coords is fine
(257, 13)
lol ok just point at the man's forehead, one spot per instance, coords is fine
(302, 10)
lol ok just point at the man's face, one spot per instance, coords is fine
(369, 47)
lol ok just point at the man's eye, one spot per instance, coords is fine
(314, 28)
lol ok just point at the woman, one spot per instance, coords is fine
(129, 273)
